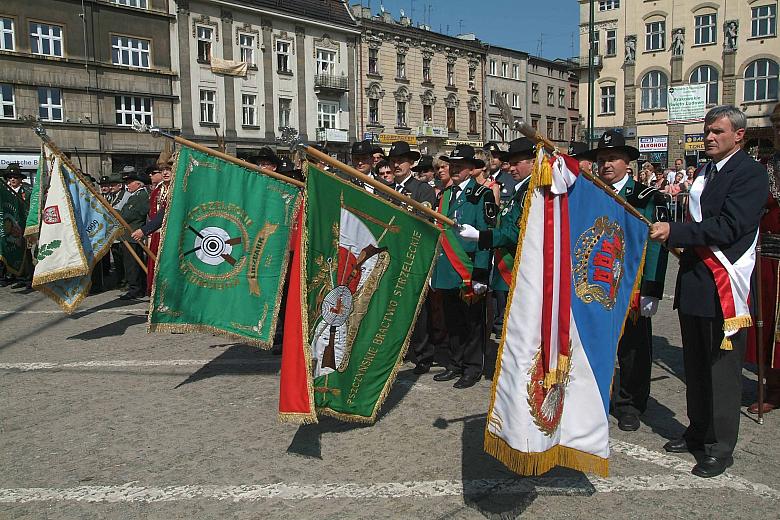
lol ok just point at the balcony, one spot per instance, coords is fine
(581, 62)
(330, 83)
(332, 135)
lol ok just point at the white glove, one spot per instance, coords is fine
(648, 306)
(469, 233)
(479, 288)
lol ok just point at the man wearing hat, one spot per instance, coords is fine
(635, 354)
(463, 283)
(423, 170)
(265, 158)
(363, 161)
(134, 212)
(402, 158)
(577, 149)
(498, 174)
(15, 177)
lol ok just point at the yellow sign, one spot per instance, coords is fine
(694, 142)
(456, 142)
(391, 138)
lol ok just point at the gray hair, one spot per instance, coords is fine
(734, 115)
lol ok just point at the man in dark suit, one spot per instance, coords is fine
(134, 212)
(504, 178)
(726, 203)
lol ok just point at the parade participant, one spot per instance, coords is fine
(385, 172)
(423, 170)
(134, 212)
(158, 201)
(105, 187)
(378, 155)
(483, 179)
(461, 272)
(16, 182)
(631, 388)
(503, 238)
(443, 179)
(498, 170)
(726, 203)
(363, 162)
(402, 158)
(265, 158)
(770, 296)
(576, 150)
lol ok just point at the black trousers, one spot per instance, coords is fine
(421, 348)
(635, 356)
(118, 254)
(466, 327)
(713, 384)
(500, 298)
(136, 278)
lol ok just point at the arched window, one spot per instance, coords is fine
(707, 75)
(761, 80)
(654, 85)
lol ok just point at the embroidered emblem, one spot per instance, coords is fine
(599, 254)
(546, 404)
(51, 215)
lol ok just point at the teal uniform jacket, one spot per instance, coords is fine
(651, 203)
(466, 211)
(136, 209)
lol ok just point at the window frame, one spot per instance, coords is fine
(756, 20)
(608, 99)
(653, 93)
(207, 44)
(286, 54)
(373, 109)
(401, 115)
(131, 3)
(400, 65)
(4, 32)
(769, 81)
(325, 67)
(244, 48)
(452, 123)
(285, 112)
(711, 84)
(608, 5)
(610, 42)
(206, 103)
(450, 74)
(651, 34)
(39, 36)
(248, 109)
(122, 111)
(130, 46)
(6, 103)
(534, 93)
(49, 106)
(700, 28)
(326, 117)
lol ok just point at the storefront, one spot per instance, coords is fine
(654, 149)
(694, 150)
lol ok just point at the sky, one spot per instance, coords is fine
(549, 26)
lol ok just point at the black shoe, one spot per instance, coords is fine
(128, 296)
(4, 282)
(628, 422)
(19, 285)
(678, 446)
(466, 381)
(421, 368)
(447, 375)
(710, 467)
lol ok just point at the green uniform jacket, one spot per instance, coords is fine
(472, 213)
(651, 203)
(136, 209)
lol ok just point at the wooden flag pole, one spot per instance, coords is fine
(135, 255)
(387, 190)
(760, 336)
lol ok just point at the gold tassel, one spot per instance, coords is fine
(550, 378)
(545, 179)
(563, 365)
(726, 344)
(737, 322)
(541, 175)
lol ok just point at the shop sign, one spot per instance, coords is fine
(391, 138)
(694, 142)
(456, 142)
(656, 143)
(26, 161)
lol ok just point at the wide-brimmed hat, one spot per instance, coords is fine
(577, 148)
(463, 152)
(129, 174)
(377, 149)
(519, 147)
(13, 171)
(425, 164)
(265, 153)
(493, 148)
(362, 148)
(115, 177)
(126, 171)
(401, 149)
(611, 140)
(104, 179)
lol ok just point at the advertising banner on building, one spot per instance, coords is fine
(694, 142)
(656, 143)
(687, 104)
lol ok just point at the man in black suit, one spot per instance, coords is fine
(502, 177)
(726, 202)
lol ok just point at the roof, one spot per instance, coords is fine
(332, 11)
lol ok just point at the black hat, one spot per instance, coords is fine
(377, 149)
(130, 174)
(401, 149)
(425, 164)
(115, 177)
(265, 153)
(285, 165)
(127, 171)
(362, 148)
(149, 170)
(105, 179)
(611, 140)
(519, 147)
(493, 148)
(577, 148)
(463, 152)
(13, 171)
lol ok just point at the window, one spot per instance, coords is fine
(472, 78)
(285, 112)
(208, 106)
(515, 100)
(472, 121)
(763, 20)
(550, 128)
(550, 96)
(246, 48)
(6, 34)
(426, 69)
(400, 114)
(504, 69)
(249, 109)
(709, 76)
(574, 132)
(608, 5)
(655, 36)
(515, 71)
(400, 65)
(761, 80)
(654, 85)
(562, 98)
(451, 119)
(492, 67)
(141, 4)
(50, 104)
(573, 100)
(493, 97)
(129, 108)
(594, 42)
(535, 123)
(704, 33)
(130, 52)
(607, 100)
(534, 92)
(204, 35)
(494, 133)
(427, 113)
(45, 39)
(373, 61)
(451, 74)
(326, 62)
(561, 131)
(327, 114)
(7, 106)
(283, 56)
(611, 42)
(373, 111)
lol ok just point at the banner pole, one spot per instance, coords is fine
(760, 335)
(352, 172)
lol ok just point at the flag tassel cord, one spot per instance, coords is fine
(535, 136)
(41, 132)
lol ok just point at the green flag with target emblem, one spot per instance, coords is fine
(224, 250)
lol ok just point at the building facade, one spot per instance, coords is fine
(506, 73)
(550, 100)
(86, 69)
(250, 68)
(648, 48)
(418, 85)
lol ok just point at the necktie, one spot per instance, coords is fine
(399, 187)
(711, 171)
(454, 195)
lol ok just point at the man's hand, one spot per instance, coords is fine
(660, 231)
(648, 306)
(479, 288)
(137, 235)
(469, 233)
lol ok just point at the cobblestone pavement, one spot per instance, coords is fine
(99, 419)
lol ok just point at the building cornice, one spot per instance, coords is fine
(290, 18)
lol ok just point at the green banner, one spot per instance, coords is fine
(12, 243)
(33, 223)
(367, 267)
(224, 250)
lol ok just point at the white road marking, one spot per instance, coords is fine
(83, 311)
(134, 363)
